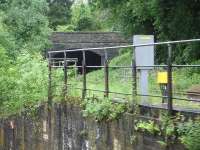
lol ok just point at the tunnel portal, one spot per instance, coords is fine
(92, 59)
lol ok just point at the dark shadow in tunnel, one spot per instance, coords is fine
(92, 59)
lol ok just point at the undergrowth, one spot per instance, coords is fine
(102, 109)
(173, 129)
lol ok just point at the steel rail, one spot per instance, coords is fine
(124, 46)
(140, 95)
(155, 66)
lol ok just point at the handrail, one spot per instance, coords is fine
(125, 46)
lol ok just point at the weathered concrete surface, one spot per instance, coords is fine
(74, 40)
(77, 40)
(65, 129)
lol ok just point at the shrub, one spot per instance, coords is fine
(190, 135)
(102, 109)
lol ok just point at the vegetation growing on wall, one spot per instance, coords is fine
(176, 128)
(190, 134)
(102, 109)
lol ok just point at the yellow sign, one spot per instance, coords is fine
(162, 78)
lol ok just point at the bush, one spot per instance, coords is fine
(23, 84)
(190, 135)
(103, 109)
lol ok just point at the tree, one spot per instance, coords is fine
(166, 19)
(83, 18)
(27, 22)
(59, 12)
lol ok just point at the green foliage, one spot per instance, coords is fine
(23, 72)
(149, 127)
(167, 125)
(6, 41)
(83, 19)
(59, 12)
(23, 84)
(65, 28)
(102, 109)
(125, 58)
(167, 20)
(27, 23)
(190, 134)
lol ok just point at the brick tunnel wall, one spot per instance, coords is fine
(68, 130)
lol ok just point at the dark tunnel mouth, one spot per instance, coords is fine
(92, 59)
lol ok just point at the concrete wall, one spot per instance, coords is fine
(77, 40)
(65, 129)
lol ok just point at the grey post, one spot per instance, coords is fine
(144, 57)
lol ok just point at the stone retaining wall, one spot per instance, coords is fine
(65, 129)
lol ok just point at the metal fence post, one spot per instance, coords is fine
(169, 85)
(49, 99)
(65, 74)
(49, 81)
(106, 74)
(84, 75)
(134, 77)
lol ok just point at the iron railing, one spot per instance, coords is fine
(169, 65)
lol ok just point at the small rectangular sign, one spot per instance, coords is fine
(162, 77)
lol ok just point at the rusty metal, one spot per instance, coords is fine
(134, 77)
(84, 75)
(126, 46)
(106, 75)
(65, 75)
(133, 67)
(49, 82)
(169, 77)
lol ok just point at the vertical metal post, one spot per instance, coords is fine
(169, 85)
(60, 136)
(65, 74)
(134, 77)
(84, 75)
(49, 100)
(106, 74)
(76, 70)
(49, 81)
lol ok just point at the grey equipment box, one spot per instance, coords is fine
(144, 55)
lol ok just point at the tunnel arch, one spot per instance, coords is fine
(92, 59)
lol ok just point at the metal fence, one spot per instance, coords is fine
(128, 72)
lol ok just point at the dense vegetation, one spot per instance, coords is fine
(166, 19)
(25, 26)
(24, 35)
